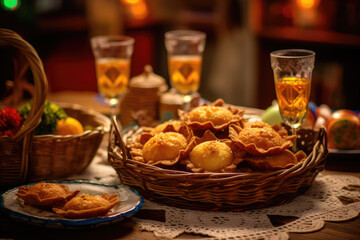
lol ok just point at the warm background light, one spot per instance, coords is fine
(136, 8)
(308, 3)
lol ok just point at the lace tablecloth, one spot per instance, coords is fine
(331, 198)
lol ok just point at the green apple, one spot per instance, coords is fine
(272, 115)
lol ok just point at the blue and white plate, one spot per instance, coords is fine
(130, 203)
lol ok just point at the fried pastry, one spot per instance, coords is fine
(212, 117)
(46, 195)
(300, 155)
(259, 141)
(267, 163)
(164, 148)
(283, 132)
(88, 206)
(211, 156)
(217, 115)
(255, 124)
(170, 126)
(161, 127)
(154, 154)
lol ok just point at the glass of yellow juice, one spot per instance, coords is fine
(184, 50)
(292, 75)
(112, 62)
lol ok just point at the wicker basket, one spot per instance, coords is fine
(25, 157)
(218, 191)
(54, 156)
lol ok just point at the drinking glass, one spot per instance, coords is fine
(292, 74)
(112, 60)
(184, 51)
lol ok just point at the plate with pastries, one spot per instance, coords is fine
(217, 156)
(70, 204)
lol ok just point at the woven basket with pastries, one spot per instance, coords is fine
(217, 158)
(26, 157)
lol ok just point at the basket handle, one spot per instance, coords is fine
(324, 138)
(115, 129)
(40, 80)
(323, 135)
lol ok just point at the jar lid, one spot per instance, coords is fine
(172, 98)
(148, 79)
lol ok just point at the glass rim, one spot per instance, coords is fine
(282, 53)
(185, 34)
(115, 40)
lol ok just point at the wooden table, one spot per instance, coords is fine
(128, 230)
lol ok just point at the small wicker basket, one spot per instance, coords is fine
(54, 156)
(25, 157)
(218, 191)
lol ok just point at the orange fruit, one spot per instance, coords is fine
(69, 126)
(343, 130)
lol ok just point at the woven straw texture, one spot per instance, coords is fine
(54, 156)
(218, 191)
(25, 157)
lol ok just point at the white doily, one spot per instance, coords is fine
(320, 203)
(312, 208)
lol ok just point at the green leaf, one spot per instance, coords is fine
(51, 114)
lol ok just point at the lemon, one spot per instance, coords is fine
(69, 126)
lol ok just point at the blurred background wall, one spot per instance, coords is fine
(240, 36)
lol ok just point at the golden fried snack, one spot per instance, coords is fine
(137, 145)
(160, 128)
(46, 195)
(170, 126)
(277, 127)
(255, 124)
(283, 132)
(259, 141)
(211, 156)
(197, 159)
(88, 206)
(300, 155)
(216, 116)
(164, 148)
(282, 160)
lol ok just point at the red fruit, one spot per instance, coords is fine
(10, 122)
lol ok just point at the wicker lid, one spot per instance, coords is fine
(148, 79)
(172, 97)
(143, 95)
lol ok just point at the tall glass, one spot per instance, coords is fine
(292, 74)
(184, 50)
(112, 59)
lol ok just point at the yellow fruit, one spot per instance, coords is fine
(69, 126)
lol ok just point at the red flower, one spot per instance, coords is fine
(10, 121)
